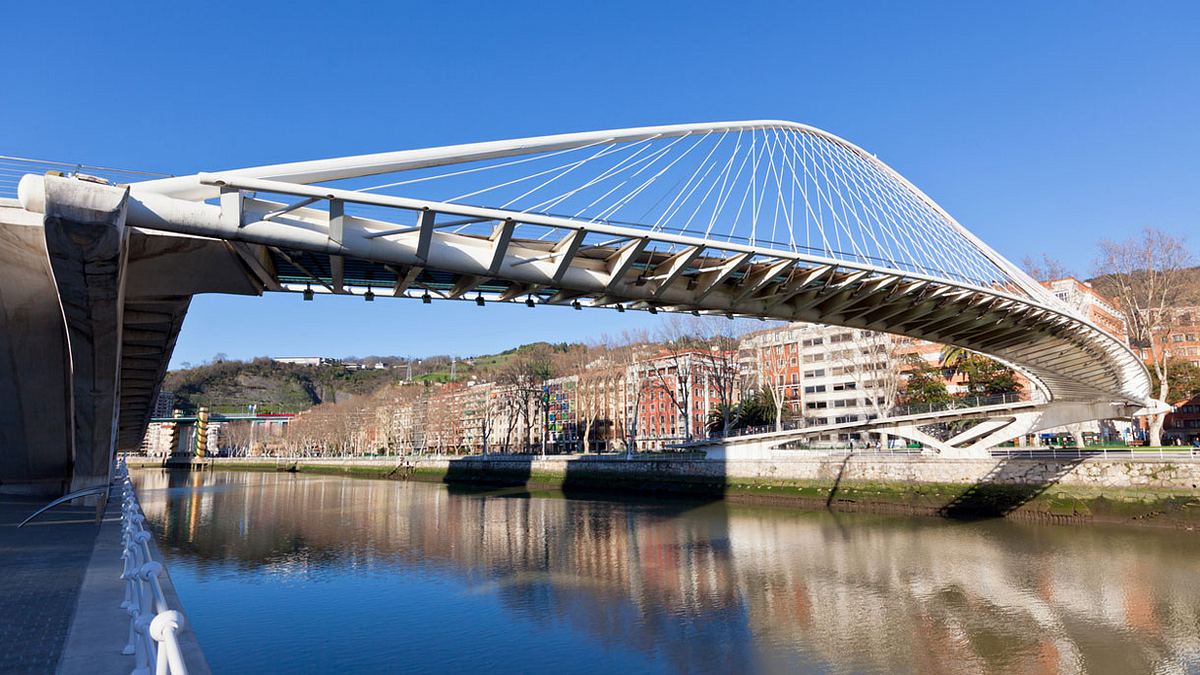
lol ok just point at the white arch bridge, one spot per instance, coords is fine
(765, 219)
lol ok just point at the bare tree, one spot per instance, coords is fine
(1046, 269)
(525, 376)
(722, 337)
(626, 354)
(674, 372)
(237, 438)
(1147, 273)
(771, 359)
(594, 383)
(877, 370)
(492, 404)
(698, 349)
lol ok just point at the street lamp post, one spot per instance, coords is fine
(545, 417)
(251, 409)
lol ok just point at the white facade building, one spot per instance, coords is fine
(825, 374)
(306, 360)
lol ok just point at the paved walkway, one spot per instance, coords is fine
(42, 566)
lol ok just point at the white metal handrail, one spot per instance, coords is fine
(153, 625)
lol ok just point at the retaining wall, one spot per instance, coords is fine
(1152, 491)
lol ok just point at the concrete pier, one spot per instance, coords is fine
(89, 316)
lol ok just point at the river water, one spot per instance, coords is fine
(302, 573)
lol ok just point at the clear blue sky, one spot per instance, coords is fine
(1040, 126)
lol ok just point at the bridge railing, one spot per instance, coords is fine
(965, 403)
(153, 626)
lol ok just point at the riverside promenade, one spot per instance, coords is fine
(43, 566)
(62, 603)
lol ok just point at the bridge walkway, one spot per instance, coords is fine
(922, 418)
(43, 566)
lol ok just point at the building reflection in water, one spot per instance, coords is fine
(711, 587)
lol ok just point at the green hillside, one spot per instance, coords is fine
(229, 386)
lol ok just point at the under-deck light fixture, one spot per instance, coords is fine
(479, 300)
(695, 312)
(425, 299)
(529, 301)
(653, 309)
(576, 305)
(620, 307)
(369, 296)
(308, 294)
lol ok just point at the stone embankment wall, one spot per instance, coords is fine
(1148, 491)
(1090, 473)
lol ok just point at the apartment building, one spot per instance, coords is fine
(164, 404)
(1095, 307)
(1182, 426)
(825, 374)
(562, 414)
(1182, 339)
(671, 395)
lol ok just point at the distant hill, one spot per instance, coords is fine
(1191, 290)
(229, 386)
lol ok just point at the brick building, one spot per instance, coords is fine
(662, 388)
(1179, 337)
(1095, 307)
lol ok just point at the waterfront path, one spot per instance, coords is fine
(43, 566)
(61, 609)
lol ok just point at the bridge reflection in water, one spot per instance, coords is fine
(305, 572)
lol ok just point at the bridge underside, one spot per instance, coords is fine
(89, 312)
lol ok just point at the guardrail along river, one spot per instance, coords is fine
(293, 572)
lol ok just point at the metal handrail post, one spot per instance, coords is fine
(153, 625)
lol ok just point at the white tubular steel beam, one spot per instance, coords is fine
(622, 261)
(565, 251)
(709, 281)
(669, 271)
(501, 236)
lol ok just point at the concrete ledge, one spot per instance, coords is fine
(100, 628)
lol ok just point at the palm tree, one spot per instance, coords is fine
(954, 357)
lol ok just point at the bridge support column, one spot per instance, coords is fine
(86, 241)
(35, 364)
